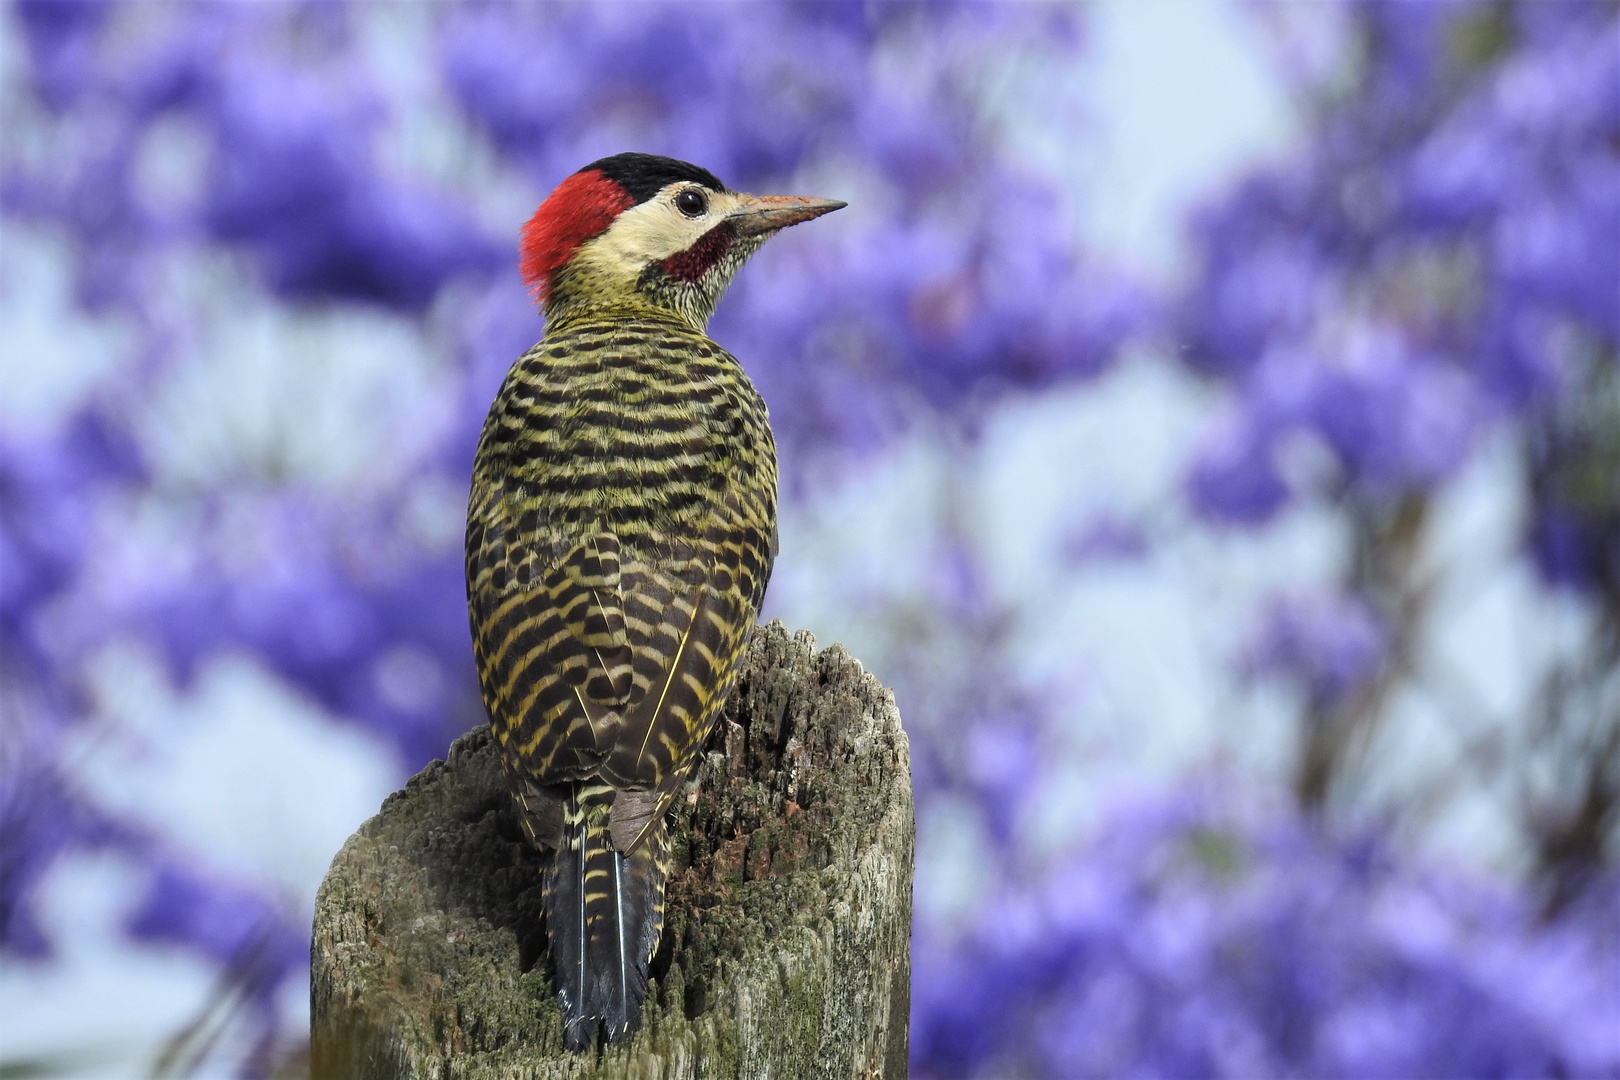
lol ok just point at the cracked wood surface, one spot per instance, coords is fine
(785, 954)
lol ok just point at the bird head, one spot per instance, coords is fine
(638, 229)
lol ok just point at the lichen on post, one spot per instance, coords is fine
(785, 953)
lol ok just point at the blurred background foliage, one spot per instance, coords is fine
(1206, 416)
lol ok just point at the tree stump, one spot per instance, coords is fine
(786, 947)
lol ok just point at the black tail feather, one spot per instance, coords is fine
(604, 912)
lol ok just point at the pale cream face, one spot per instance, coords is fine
(655, 230)
(655, 253)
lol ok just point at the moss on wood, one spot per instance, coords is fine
(786, 947)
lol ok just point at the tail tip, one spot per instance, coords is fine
(580, 1034)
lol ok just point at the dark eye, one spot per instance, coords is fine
(691, 202)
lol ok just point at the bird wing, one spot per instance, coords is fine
(690, 656)
(605, 650)
(593, 667)
(699, 628)
(550, 643)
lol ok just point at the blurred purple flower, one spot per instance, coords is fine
(233, 926)
(294, 181)
(1001, 763)
(1575, 550)
(1104, 537)
(1233, 476)
(292, 175)
(1397, 419)
(1262, 275)
(1195, 939)
(41, 818)
(1330, 642)
(1455, 208)
(253, 943)
(295, 584)
(1574, 458)
(48, 489)
(61, 45)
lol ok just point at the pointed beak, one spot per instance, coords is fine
(767, 213)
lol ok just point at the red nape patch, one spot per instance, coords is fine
(697, 260)
(582, 207)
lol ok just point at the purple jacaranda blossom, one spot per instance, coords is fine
(42, 817)
(320, 597)
(1234, 476)
(48, 487)
(1576, 550)
(1331, 643)
(1105, 536)
(1191, 938)
(231, 925)
(952, 311)
(292, 173)
(1262, 280)
(61, 40)
(256, 947)
(1574, 459)
(293, 180)
(1001, 758)
(49, 484)
(1551, 249)
(1430, 252)
(550, 84)
(1398, 419)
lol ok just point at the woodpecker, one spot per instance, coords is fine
(620, 533)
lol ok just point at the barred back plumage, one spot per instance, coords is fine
(620, 536)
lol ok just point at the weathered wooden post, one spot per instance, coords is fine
(786, 951)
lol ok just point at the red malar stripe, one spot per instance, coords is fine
(695, 261)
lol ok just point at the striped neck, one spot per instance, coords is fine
(616, 309)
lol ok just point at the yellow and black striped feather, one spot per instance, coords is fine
(621, 531)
